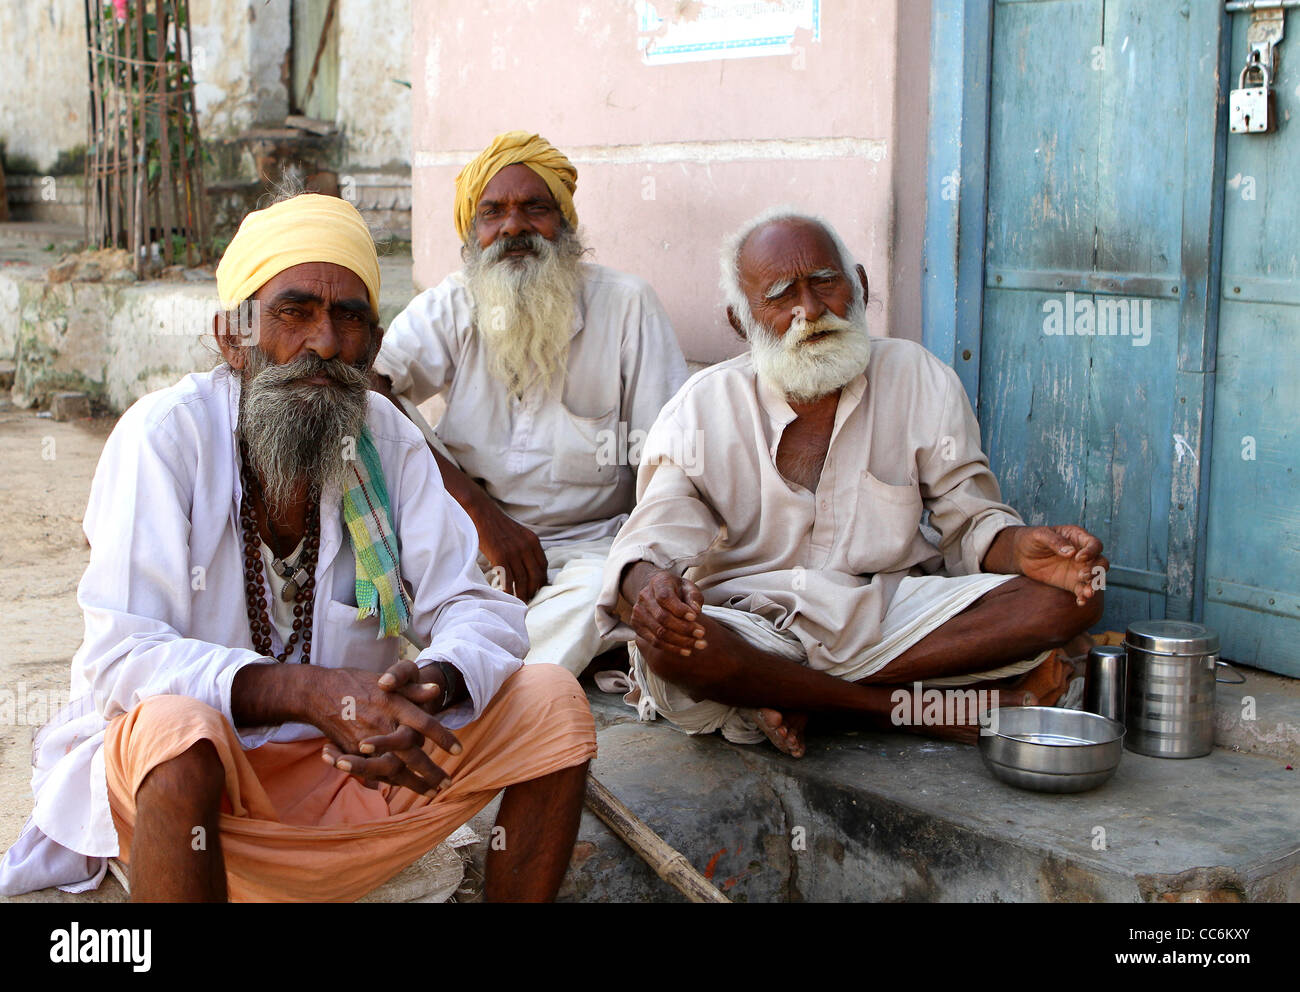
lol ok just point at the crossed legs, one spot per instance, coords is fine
(1016, 620)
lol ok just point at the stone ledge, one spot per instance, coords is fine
(891, 817)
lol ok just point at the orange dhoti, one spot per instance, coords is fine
(294, 828)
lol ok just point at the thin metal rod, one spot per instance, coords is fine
(116, 215)
(167, 188)
(91, 118)
(95, 188)
(132, 153)
(198, 190)
(1236, 6)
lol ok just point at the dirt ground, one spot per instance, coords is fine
(45, 473)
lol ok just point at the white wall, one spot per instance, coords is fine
(43, 78)
(374, 110)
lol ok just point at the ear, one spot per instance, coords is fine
(734, 321)
(227, 340)
(862, 278)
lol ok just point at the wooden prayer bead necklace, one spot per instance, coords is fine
(301, 588)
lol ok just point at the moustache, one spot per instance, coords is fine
(531, 242)
(801, 330)
(340, 373)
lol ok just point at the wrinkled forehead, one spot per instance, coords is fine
(786, 250)
(516, 183)
(326, 282)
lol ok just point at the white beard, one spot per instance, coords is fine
(524, 307)
(806, 371)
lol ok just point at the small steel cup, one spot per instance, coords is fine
(1104, 685)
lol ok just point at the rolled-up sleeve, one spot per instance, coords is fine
(958, 486)
(671, 527)
(462, 619)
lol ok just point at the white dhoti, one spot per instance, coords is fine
(920, 605)
(561, 618)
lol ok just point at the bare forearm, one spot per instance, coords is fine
(269, 695)
(1001, 555)
(635, 576)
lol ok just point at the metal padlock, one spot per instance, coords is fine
(1250, 108)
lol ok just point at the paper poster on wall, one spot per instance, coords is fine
(671, 31)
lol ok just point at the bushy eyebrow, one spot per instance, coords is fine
(777, 288)
(545, 201)
(350, 305)
(781, 285)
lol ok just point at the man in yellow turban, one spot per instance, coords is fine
(552, 370)
(261, 535)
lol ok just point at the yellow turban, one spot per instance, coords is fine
(306, 228)
(515, 148)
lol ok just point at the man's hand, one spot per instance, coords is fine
(1067, 557)
(666, 611)
(356, 714)
(510, 546)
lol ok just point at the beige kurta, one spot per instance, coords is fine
(823, 565)
(563, 466)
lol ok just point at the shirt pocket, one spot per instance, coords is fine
(586, 451)
(886, 521)
(354, 643)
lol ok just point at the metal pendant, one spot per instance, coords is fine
(290, 591)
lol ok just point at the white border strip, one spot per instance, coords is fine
(706, 152)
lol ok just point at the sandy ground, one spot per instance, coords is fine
(45, 473)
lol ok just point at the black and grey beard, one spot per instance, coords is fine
(300, 432)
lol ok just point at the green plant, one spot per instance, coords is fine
(70, 162)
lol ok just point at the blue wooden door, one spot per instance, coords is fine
(1096, 368)
(1252, 587)
(1122, 303)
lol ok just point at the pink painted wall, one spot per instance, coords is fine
(670, 158)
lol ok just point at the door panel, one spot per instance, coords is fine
(1252, 593)
(1088, 217)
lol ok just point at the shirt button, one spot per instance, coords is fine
(826, 504)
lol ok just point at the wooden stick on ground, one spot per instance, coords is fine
(669, 864)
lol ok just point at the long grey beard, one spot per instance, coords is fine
(806, 371)
(524, 307)
(299, 432)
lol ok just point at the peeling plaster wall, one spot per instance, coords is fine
(239, 64)
(672, 157)
(43, 88)
(238, 60)
(374, 110)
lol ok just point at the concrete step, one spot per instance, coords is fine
(892, 817)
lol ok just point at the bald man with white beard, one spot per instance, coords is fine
(782, 569)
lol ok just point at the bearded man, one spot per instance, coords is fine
(552, 370)
(787, 571)
(260, 536)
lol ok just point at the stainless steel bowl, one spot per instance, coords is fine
(1052, 750)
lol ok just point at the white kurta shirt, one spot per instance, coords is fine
(562, 466)
(163, 595)
(824, 565)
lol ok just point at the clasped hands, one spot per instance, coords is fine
(377, 726)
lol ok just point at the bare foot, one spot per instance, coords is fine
(785, 731)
